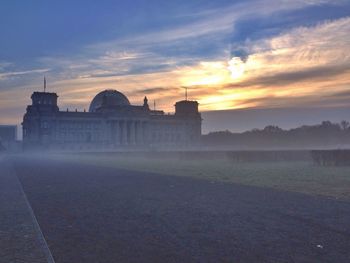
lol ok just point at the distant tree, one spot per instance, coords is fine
(272, 129)
(255, 130)
(326, 124)
(326, 134)
(344, 125)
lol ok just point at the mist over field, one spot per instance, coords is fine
(223, 205)
(175, 131)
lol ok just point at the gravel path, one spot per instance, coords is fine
(21, 239)
(98, 214)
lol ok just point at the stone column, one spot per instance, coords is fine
(127, 132)
(111, 137)
(112, 132)
(120, 134)
(136, 132)
(132, 132)
(116, 132)
(144, 132)
(124, 132)
(139, 133)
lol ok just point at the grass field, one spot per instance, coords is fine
(303, 177)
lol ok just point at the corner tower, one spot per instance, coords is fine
(186, 108)
(45, 101)
(187, 112)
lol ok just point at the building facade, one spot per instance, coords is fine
(111, 123)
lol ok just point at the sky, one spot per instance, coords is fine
(249, 63)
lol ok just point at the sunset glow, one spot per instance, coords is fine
(205, 73)
(236, 67)
(222, 64)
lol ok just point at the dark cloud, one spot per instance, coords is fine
(287, 78)
(339, 99)
(273, 101)
(262, 26)
(102, 75)
(341, 95)
(132, 69)
(152, 90)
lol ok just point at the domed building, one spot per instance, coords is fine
(111, 123)
(111, 98)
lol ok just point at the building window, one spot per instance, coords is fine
(44, 125)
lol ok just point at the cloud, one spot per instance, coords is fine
(6, 75)
(213, 22)
(175, 46)
(151, 91)
(288, 65)
(296, 67)
(294, 77)
(299, 67)
(4, 65)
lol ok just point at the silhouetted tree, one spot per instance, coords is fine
(344, 125)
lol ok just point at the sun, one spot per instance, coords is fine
(237, 67)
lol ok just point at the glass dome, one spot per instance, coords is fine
(108, 98)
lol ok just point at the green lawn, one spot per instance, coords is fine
(301, 177)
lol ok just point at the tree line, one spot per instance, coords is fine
(326, 135)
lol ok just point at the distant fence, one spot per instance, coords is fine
(331, 157)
